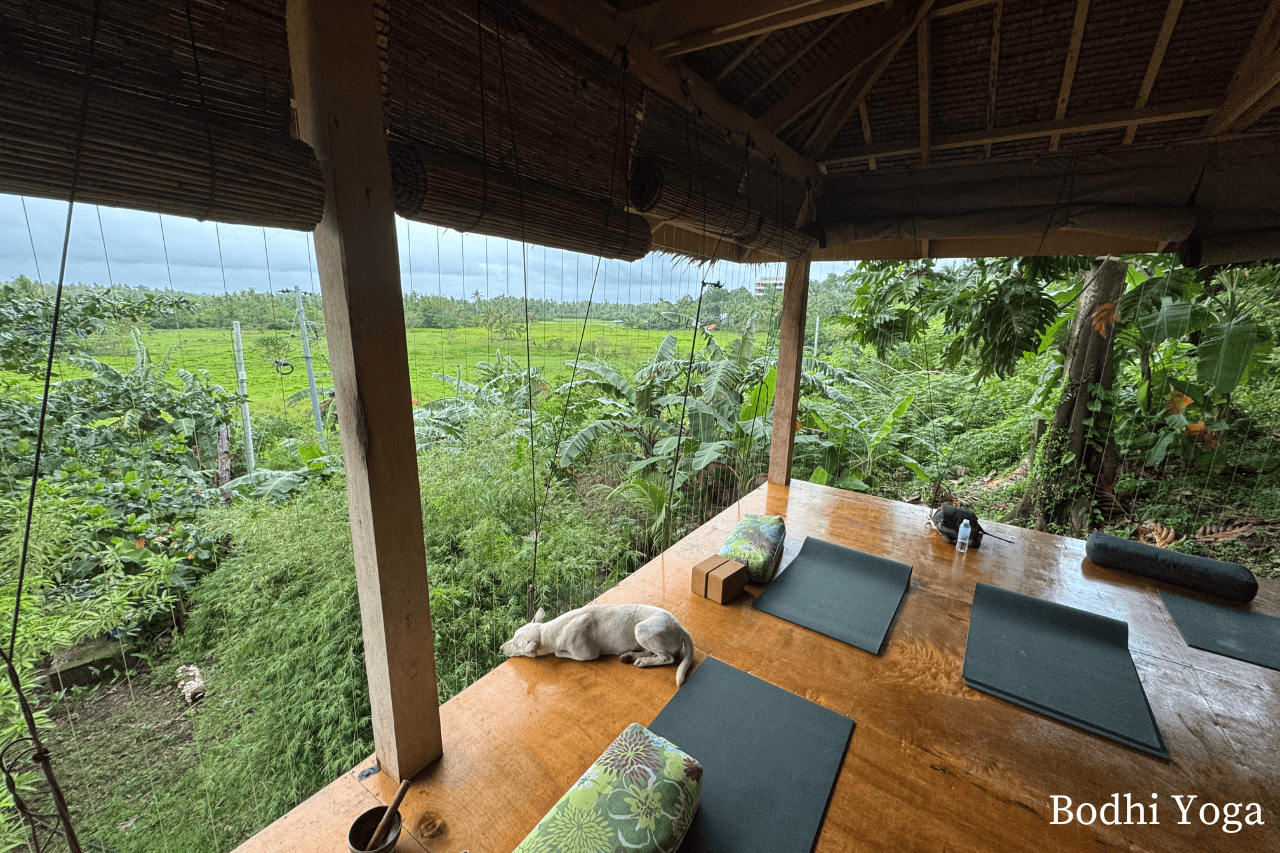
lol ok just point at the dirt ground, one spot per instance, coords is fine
(116, 748)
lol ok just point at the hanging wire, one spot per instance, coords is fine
(102, 232)
(32, 238)
(39, 754)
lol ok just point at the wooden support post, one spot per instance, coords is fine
(334, 55)
(786, 399)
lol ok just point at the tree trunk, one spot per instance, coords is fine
(1078, 462)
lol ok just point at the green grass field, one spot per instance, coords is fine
(431, 351)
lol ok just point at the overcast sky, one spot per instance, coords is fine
(442, 261)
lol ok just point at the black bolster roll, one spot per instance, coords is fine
(1231, 581)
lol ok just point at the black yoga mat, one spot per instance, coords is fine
(1240, 634)
(839, 592)
(769, 760)
(1068, 664)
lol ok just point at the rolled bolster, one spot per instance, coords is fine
(640, 794)
(1231, 581)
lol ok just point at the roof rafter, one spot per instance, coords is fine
(1101, 121)
(739, 56)
(1153, 66)
(922, 72)
(883, 33)
(791, 60)
(866, 132)
(1069, 69)
(994, 68)
(676, 27)
(1251, 92)
(862, 83)
(597, 26)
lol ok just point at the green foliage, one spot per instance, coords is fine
(281, 621)
(26, 316)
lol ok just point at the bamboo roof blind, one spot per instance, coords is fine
(156, 135)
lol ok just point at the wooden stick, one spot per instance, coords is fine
(384, 825)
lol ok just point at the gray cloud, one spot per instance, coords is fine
(432, 260)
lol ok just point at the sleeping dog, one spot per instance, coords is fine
(638, 633)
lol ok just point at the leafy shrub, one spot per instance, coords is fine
(280, 620)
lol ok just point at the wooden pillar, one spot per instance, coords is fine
(786, 400)
(333, 53)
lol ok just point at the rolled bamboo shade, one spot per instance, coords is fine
(685, 173)
(506, 126)
(156, 137)
(460, 192)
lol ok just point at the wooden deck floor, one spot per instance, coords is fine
(931, 766)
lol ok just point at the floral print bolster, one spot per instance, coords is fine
(757, 541)
(638, 797)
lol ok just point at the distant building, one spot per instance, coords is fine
(765, 285)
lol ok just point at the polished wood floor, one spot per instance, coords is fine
(932, 765)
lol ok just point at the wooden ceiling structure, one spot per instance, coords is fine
(747, 130)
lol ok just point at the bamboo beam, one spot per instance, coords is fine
(962, 6)
(993, 70)
(794, 57)
(922, 72)
(740, 56)
(786, 399)
(883, 32)
(676, 27)
(598, 27)
(1102, 121)
(1250, 94)
(334, 59)
(1153, 65)
(1069, 69)
(866, 132)
(865, 80)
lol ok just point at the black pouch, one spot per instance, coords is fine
(947, 520)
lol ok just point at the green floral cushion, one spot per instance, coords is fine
(638, 797)
(757, 541)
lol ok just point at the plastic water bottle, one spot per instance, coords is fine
(962, 538)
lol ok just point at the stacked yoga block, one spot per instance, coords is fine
(719, 579)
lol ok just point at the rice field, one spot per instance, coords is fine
(451, 352)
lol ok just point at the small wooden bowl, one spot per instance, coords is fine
(362, 831)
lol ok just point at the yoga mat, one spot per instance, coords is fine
(1240, 634)
(839, 592)
(1068, 664)
(769, 760)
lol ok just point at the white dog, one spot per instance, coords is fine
(638, 633)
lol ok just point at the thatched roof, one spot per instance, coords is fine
(749, 129)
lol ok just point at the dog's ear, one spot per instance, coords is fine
(537, 617)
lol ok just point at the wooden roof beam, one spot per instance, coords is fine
(994, 68)
(1153, 66)
(866, 78)
(1102, 121)
(1251, 92)
(884, 32)
(739, 56)
(791, 60)
(1069, 69)
(922, 72)
(598, 27)
(866, 132)
(676, 27)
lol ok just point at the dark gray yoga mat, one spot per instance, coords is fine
(769, 760)
(1240, 634)
(1065, 663)
(839, 592)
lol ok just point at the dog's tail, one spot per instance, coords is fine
(686, 656)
